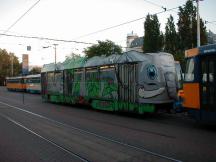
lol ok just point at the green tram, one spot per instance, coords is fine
(199, 86)
(131, 82)
(33, 83)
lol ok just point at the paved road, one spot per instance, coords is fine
(39, 131)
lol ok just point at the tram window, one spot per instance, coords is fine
(204, 95)
(23, 81)
(211, 71)
(77, 76)
(189, 73)
(204, 71)
(33, 80)
(211, 95)
(179, 75)
(13, 81)
(108, 75)
(92, 75)
(50, 77)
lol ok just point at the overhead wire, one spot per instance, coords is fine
(44, 38)
(73, 41)
(210, 22)
(108, 28)
(155, 4)
(160, 6)
(81, 42)
(12, 25)
(127, 22)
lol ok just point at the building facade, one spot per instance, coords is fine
(134, 42)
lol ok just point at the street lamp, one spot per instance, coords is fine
(55, 54)
(12, 58)
(198, 23)
(55, 51)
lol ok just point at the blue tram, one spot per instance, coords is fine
(200, 83)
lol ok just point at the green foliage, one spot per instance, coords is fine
(187, 27)
(73, 56)
(103, 48)
(170, 44)
(153, 38)
(35, 70)
(6, 60)
(74, 61)
(179, 56)
(187, 16)
(187, 31)
(172, 41)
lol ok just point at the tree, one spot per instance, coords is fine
(187, 30)
(187, 15)
(103, 48)
(187, 27)
(153, 38)
(35, 70)
(7, 60)
(72, 56)
(170, 40)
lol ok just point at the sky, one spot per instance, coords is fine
(75, 19)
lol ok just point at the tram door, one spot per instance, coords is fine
(208, 83)
(127, 82)
(43, 83)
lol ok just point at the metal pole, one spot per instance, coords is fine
(55, 54)
(12, 65)
(198, 25)
(23, 96)
(23, 82)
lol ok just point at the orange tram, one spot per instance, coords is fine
(16, 83)
(28, 83)
(199, 87)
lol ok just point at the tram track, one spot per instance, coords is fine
(115, 124)
(85, 132)
(46, 139)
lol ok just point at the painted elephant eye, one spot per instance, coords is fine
(151, 72)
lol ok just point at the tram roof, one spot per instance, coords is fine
(126, 57)
(34, 76)
(15, 77)
(202, 50)
(208, 49)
